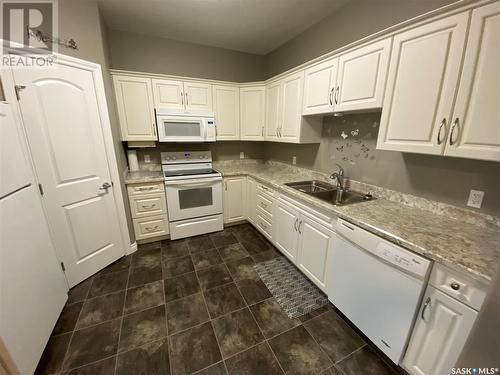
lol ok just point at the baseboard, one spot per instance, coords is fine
(132, 249)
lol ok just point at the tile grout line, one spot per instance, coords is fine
(122, 316)
(211, 323)
(163, 282)
(319, 345)
(350, 354)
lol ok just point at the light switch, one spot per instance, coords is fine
(147, 158)
(242, 155)
(475, 198)
(294, 160)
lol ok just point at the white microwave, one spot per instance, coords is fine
(182, 126)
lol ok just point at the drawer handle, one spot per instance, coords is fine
(455, 286)
(263, 225)
(265, 188)
(149, 229)
(263, 205)
(146, 188)
(149, 207)
(427, 303)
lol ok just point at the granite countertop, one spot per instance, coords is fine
(143, 176)
(461, 243)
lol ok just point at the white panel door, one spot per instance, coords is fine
(362, 77)
(286, 235)
(319, 86)
(168, 93)
(421, 86)
(134, 100)
(234, 199)
(442, 327)
(251, 202)
(272, 110)
(61, 114)
(198, 96)
(476, 120)
(14, 167)
(252, 105)
(227, 112)
(293, 89)
(314, 245)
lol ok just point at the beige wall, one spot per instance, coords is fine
(353, 21)
(165, 56)
(81, 21)
(443, 179)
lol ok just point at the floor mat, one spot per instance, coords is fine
(293, 291)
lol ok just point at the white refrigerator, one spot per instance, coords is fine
(33, 289)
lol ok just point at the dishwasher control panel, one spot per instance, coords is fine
(402, 258)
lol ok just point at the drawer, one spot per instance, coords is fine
(264, 224)
(265, 203)
(459, 286)
(151, 226)
(265, 190)
(148, 205)
(150, 187)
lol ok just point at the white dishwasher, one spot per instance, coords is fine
(377, 285)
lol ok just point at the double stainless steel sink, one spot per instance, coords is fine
(328, 193)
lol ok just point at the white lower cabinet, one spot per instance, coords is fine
(251, 199)
(286, 235)
(315, 242)
(234, 195)
(442, 327)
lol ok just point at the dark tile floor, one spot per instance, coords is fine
(198, 306)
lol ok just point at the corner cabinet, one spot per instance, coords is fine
(227, 112)
(252, 105)
(134, 101)
(234, 197)
(442, 327)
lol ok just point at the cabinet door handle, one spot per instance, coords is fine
(154, 129)
(182, 98)
(443, 123)
(262, 131)
(330, 97)
(187, 100)
(300, 226)
(337, 90)
(452, 132)
(427, 303)
(295, 224)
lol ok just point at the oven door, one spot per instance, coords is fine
(193, 198)
(181, 129)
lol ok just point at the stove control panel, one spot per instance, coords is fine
(186, 157)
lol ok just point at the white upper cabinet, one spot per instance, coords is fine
(227, 112)
(272, 110)
(293, 89)
(182, 95)
(252, 105)
(361, 77)
(198, 96)
(319, 87)
(421, 86)
(168, 93)
(475, 129)
(134, 101)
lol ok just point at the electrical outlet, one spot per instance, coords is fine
(475, 198)
(294, 160)
(147, 158)
(242, 155)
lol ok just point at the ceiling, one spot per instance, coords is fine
(254, 26)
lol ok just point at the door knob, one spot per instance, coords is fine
(105, 186)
